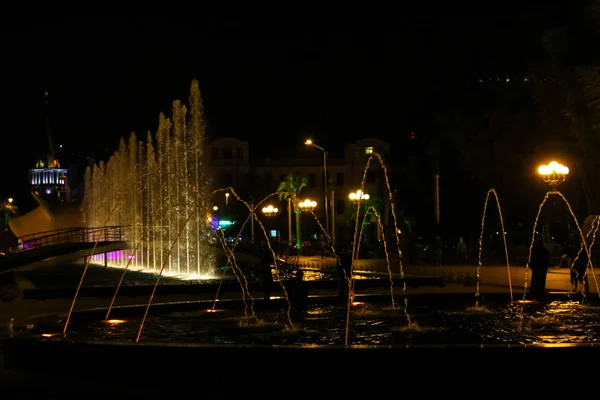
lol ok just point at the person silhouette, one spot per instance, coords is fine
(578, 272)
(265, 275)
(344, 267)
(539, 264)
(461, 247)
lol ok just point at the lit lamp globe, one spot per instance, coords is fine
(358, 195)
(270, 210)
(307, 205)
(554, 173)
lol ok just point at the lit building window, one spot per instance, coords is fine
(368, 150)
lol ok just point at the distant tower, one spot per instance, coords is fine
(52, 154)
(48, 179)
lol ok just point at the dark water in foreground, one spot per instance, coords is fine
(433, 323)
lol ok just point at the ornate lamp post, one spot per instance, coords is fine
(553, 174)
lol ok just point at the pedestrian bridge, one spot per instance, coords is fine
(63, 245)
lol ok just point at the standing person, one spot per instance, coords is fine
(578, 272)
(539, 264)
(265, 275)
(322, 245)
(461, 247)
(343, 266)
(439, 250)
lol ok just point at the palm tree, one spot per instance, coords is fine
(290, 189)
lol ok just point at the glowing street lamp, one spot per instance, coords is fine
(226, 199)
(307, 205)
(358, 196)
(270, 211)
(554, 173)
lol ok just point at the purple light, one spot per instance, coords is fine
(131, 256)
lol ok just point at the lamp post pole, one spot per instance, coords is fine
(309, 142)
(553, 174)
(289, 222)
(326, 192)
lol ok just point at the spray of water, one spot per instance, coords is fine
(355, 241)
(130, 259)
(97, 240)
(581, 236)
(479, 263)
(387, 257)
(268, 241)
(592, 231)
(137, 339)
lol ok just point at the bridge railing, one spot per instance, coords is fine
(72, 235)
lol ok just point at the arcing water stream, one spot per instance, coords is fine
(581, 236)
(479, 263)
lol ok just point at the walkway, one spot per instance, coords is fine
(63, 245)
(459, 279)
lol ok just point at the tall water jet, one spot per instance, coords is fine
(163, 180)
(356, 243)
(582, 238)
(479, 263)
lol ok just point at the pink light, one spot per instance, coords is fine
(131, 256)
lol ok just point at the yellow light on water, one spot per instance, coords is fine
(525, 301)
(115, 321)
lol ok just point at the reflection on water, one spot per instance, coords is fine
(434, 323)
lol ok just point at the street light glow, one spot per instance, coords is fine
(358, 195)
(553, 167)
(270, 210)
(308, 142)
(10, 200)
(307, 205)
(553, 173)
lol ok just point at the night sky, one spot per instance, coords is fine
(109, 76)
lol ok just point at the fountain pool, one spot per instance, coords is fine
(437, 319)
(183, 342)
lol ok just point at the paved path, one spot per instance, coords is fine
(461, 279)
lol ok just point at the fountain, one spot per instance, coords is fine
(160, 190)
(152, 188)
(480, 251)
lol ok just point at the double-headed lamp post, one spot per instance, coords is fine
(309, 142)
(553, 174)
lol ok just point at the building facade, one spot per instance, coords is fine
(229, 160)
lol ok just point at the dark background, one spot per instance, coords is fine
(275, 85)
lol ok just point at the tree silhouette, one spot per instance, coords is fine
(290, 188)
